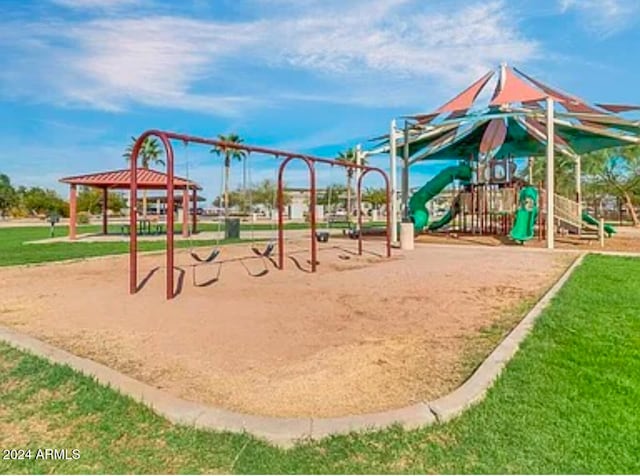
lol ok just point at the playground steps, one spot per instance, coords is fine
(568, 216)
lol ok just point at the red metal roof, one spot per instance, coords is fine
(120, 179)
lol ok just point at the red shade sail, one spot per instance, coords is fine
(618, 107)
(465, 99)
(493, 136)
(510, 89)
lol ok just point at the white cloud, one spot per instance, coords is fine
(604, 17)
(356, 52)
(96, 4)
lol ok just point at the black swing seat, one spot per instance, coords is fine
(322, 236)
(214, 254)
(352, 233)
(266, 252)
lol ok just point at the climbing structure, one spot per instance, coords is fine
(522, 118)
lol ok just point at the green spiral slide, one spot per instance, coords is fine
(417, 204)
(523, 227)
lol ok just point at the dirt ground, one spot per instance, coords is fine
(363, 334)
(626, 239)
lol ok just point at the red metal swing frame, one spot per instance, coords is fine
(166, 137)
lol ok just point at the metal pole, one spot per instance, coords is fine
(170, 215)
(394, 184)
(579, 185)
(550, 178)
(194, 216)
(358, 175)
(359, 202)
(601, 232)
(185, 212)
(312, 215)
(405, 173)
(133, 217)
(312, 212)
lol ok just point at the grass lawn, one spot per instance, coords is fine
(13, 251)
(569, 402)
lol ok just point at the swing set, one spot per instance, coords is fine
(166, 137)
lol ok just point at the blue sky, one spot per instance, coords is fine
(79, 77)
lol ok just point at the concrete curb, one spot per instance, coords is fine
(475, 388)
(287, 431)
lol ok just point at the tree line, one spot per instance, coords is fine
(613, 172)
(21, 202)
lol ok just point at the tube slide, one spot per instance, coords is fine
(609, 230)
(523, 227)
(450, 215)
(417, 204)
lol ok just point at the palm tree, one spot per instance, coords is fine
(229, 155)
(349, 157)
(150, 154)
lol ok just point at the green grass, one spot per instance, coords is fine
(569, 402)
(14, 251)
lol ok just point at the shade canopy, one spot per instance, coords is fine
(148, 179)
(514, 123)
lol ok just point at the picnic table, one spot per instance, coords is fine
(145, 227)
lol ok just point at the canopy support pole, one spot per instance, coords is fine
(579, 185)
(405, 174)
(550, 178)
(394, 182)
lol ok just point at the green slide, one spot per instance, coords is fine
(525, 215)
(592, 221)
(450, 215)
(417, 210)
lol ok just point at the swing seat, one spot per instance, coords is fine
(214, 254)
(266, 252)
(322, 236)
(352, 233)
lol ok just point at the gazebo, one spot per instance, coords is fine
(148, 179)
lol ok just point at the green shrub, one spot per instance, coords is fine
(84, 218)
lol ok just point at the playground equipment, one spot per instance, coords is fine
(417, 209)
(166, 137)
(526, 215)
(523, 118)
(609, 230)
(483, 203)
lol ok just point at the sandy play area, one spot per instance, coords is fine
(363, 334)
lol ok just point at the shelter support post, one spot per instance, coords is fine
(394, 182)
(105, 210)
(73, 207)
(185, 213)
(550, 175)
